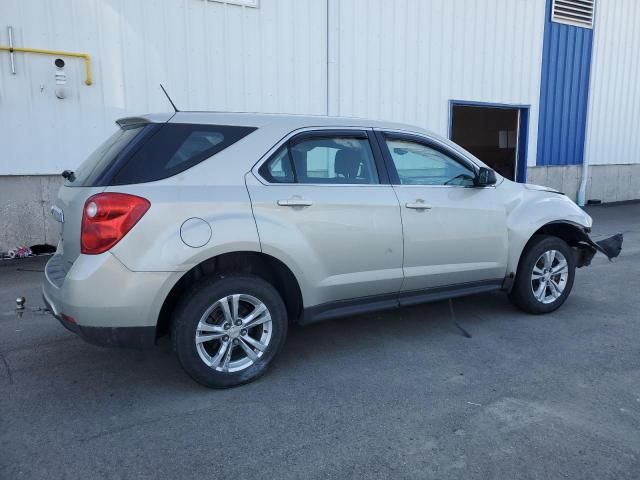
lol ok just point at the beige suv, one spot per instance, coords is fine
(221, 229)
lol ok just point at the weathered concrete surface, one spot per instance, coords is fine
(24, 210)
(609, 183)
(396, 395)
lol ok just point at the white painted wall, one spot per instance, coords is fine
(400, 60)
(404, 60)
(614, 96)
(209, 56)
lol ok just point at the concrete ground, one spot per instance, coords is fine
(394, 395)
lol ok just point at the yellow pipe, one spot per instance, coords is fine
(87, 59)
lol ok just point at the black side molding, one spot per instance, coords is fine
(376, 303)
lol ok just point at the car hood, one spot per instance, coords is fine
(541, 188)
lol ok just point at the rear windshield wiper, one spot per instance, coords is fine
(69, 175)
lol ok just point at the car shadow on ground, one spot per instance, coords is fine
(359, 340)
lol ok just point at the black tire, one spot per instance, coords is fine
(193, 306)
(522, 294)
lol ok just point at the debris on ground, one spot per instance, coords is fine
(20, 252)
(23, 251)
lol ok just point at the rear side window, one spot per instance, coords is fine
(152, 151)
(278, 168)
(330, 160)
(175, 148)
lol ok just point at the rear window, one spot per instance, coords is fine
(154, 152)
(91, 171)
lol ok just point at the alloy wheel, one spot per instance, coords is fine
(233, 333)
(549, 276)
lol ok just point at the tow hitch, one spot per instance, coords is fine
(20, 308)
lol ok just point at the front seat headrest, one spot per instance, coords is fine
(348, 163)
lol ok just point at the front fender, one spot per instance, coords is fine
(530, 211)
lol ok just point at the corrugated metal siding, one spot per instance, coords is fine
(405, 60)
(564, 90)
(614, 101)
(210, 56)
(402, 60)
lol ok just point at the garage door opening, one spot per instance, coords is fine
(494, 134)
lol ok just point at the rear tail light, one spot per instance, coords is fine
(107, 218)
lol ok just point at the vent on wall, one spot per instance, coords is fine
(573, 12)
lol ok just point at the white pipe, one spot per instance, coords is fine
(582, 191)
(581, 199)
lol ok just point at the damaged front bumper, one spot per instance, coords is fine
(587, 248)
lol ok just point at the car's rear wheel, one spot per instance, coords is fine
(228, 329)
(545, 275)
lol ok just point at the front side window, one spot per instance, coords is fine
(324, 160)
(419, 164)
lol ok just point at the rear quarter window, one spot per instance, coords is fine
(174, 148)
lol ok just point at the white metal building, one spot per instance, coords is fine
(536, 88)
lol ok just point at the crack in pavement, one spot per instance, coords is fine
(41, 344)
(9, 372)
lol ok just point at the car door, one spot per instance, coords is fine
(323, 204)
(454, 233)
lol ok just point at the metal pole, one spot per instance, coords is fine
(13, 65)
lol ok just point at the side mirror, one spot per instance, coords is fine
(485, 177)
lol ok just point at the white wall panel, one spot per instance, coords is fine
(400, 60)
(404, 60)
(614, 97)
(209, 55)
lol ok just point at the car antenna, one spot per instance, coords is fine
(169, 98)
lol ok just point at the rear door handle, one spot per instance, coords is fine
(418, 205)
(295, 202)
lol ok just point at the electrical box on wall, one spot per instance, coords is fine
(61, 78)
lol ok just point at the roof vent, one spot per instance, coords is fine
(573, 12)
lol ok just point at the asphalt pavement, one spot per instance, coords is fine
(401, 394)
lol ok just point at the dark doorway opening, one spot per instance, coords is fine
(494, 134)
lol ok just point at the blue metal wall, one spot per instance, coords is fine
(564, 92)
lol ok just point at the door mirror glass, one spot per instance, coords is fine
(485, 177)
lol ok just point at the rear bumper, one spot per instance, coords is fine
(104, 302)
(126, 337)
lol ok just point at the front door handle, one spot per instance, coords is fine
(418, 205)
(295, 202)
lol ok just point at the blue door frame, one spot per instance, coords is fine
(523, 130)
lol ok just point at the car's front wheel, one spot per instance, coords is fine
(228, 329)
(545, 275)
